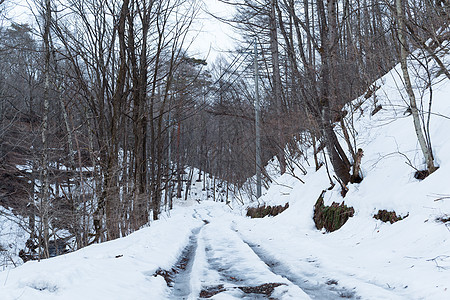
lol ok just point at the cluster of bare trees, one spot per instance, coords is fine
(102, 109)
(92, 102)
(319, 55)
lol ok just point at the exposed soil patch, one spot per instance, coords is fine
(263, 211)
(356, 179)
(265, 289)
(443, 219)
(422, 174)
(210, 291)
(331, 217)
(388, 216)
(167, 275)
(331, 282)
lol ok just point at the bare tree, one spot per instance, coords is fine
(44, 206)
(426, 148)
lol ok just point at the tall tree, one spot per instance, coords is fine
(426, 148)
(276, 84)
(44, 206)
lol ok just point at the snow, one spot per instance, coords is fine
(106, 271)
(365, 259)
(12, 238)
(225, 251)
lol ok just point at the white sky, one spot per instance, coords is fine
(209, 37)
(213, 37)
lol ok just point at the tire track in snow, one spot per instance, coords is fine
(181, 288)
(315, 291)
(235, 271)
(328, 290)
(181, 283)
(180, 275)
(226, 264)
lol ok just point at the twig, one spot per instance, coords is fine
(343, 186)
(442, 198)
(439, 257)
(284, 185)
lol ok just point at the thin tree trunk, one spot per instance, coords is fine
(44, 207)
(277, 94)
(426, 151)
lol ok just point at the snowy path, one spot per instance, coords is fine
(221, 265)
(206, 251)
(225, 267)
(181, 288)
(329, 290)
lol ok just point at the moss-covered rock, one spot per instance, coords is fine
(331, 217)
(388, 216)
(263, 211)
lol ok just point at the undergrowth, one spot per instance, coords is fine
(263, 211)
(331, 217)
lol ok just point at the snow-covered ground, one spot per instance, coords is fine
(219, 252)
(120, 269)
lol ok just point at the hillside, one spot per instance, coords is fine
(409, 259)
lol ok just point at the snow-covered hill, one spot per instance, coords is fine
(409, 259)
(227, 252)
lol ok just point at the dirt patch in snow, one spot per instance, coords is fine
(263, 289)
(263, 211)
(388, 216)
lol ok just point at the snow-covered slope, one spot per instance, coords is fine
(409, 259)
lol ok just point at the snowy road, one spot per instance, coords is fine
(219, 264)
(207, 251)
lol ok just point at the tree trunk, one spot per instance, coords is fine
(111, 191)
(338, 157)
(139, 76)
(45, 201)
(276, 81)
(426, 149)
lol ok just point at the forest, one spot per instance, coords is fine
(104, 113)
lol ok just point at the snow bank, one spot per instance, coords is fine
(119, 269)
